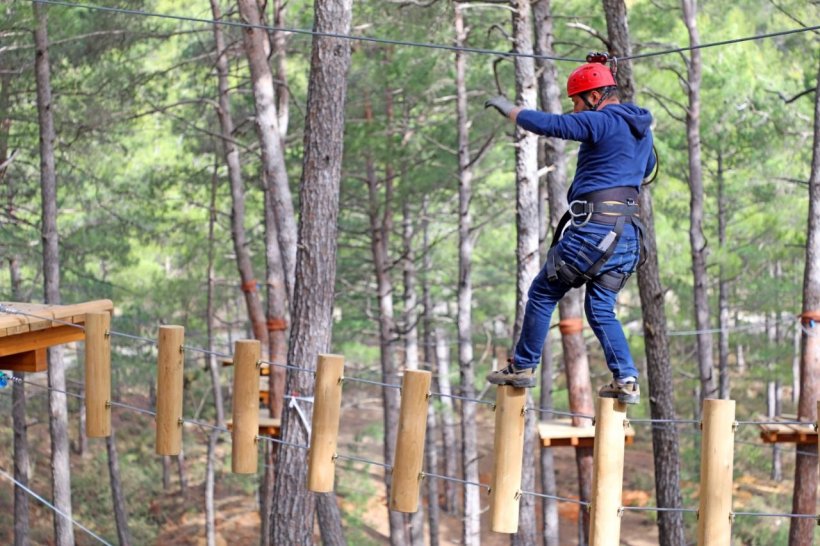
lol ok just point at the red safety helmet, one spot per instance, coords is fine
(588, 77)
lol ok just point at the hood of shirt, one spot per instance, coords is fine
(638, 119)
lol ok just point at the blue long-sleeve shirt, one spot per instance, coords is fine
(616, 144)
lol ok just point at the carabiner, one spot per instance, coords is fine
(575, 215)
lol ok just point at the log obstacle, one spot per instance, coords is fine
(170, 365)
(508, 446)
(716, 463)
(607, 473)
(409, 452)
(324, 435)
(244, 455)
(98, 375)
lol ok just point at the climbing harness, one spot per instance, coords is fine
(616, 207)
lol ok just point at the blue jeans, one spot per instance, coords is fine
(599, 304)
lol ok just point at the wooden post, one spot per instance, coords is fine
(327, 404)
(98, 375)
(607, 473)
(244, 454)
(716, 462)
(508, 447)
(170, 364)
(407, 465)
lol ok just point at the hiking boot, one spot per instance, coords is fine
(522, 378)
(626, 393)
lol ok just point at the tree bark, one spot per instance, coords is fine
(293, 507)
(723, 290)
(576, 363)
(429, 357)
(243, 260)
(210, 509)
(267, 125)
(58, 406)
(801, 531)
(471, 531)
(448, 413)
(120, 509)
(527, 229)
(665, 446)
(697, 241)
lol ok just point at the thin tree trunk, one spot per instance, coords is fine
(380, 222)
(723, 289)
(58, 406)
(527, 229)
(182, 473)
(210, 509)
(216, 384)
(18, 388)
(166, 472)
(665, 446)
(279, 53)
(21, 460)
(267, 125)
(448, 413)
(430, 441)
(293, 506)
(411, 334)
(243, 260)
(117, 496)
(801, 531)
(471, 531)
(554, 161)
(696, 239)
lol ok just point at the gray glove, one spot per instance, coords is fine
(502, 104)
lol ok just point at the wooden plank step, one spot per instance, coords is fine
(268, 426)
(560, 432)
(787, 432)
(12, 324)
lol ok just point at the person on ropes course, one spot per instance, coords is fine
(598, 241)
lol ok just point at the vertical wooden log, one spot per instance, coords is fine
(327, 396)
(607, 473)
(716, 463)
(244, 455)
(97, 375)
(415, 392)
(170, 364)
(508, 447)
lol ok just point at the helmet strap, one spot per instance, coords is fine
(604, 96)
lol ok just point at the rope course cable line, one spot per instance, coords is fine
(54, 508)
(427, 45)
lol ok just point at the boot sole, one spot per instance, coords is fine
(622, 398)
(522, 383)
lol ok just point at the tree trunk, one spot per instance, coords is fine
(182, 473)
(801, 531)
(293, 507)
(231, 153)
(430, 440)
(18, 388)
(120, 509)
(279, 53)
(21, 460)
(696, 239)
(411, 334)
(576, 363)
(527, 230)
(723, 290)
(210, 509)
(267, 125)
(330, 520)
(380, 222)
(448, 413)
(57, 404)
(471, 532)
(665, 447)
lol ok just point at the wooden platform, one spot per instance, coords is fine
(560, 432)
(804, 433)
(24, 339)
(268, 426)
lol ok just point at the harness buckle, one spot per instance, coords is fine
(586, 207)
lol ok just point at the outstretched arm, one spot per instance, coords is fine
(504, 107)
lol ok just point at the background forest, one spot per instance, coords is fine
(145, 209)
